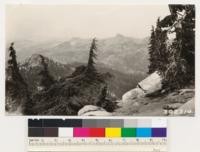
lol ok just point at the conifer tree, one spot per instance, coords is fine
(16, 88)
(187, 39)
(104, 101)
(12, 62)
(12, 67)
(46, 79)
(163, 53)
(180, 69)
(102, 96)
(27, 106)
(158, 53)
(152, 54)
(91, 70)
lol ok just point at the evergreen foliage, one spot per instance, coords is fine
(91, 70)
(16, 88)
(12, 66)
(174, 62)
(102, 96)
(68, 96)
(46, 79)
(103, 100)
(163, 58)
(181, 68)
(27, 106)
(152, 58)
(158, 49)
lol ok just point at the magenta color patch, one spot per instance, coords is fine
(81, 132)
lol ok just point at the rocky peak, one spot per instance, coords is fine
(35, 60)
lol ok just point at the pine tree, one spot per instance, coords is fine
(91, 70)
(46, 79)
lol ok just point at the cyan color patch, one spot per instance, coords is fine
(143, 132)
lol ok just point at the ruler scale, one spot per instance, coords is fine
(95, 135)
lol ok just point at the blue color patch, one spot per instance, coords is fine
(143, 132)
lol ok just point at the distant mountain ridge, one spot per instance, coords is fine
(121, 53)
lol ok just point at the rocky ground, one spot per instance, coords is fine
(147, 99)
(180, 102)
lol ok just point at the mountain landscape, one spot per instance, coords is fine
(120, 53)
(66, 63)
(112, 76)
(118, 82)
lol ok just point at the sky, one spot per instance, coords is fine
(46, 22)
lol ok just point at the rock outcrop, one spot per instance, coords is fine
(151, 84)
(147, 86)
(91, 110)
(133, 94)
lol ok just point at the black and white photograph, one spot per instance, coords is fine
(100, 60)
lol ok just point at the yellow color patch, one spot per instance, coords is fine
(113, 132)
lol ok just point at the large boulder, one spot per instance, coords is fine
(133, 94)
(151, 84)
(97, 113)
(91, 110)
(147, 86)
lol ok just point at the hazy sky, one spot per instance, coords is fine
(43, 22)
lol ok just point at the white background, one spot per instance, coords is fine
(183, 132)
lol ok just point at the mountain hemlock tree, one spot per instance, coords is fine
(12, 67)
(180, 69)
(164, 54)
(158, 49)
(46, 79)
(16, 88)
(91, 70)
(187, 37)
(152, 54)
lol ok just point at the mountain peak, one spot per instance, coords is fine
(36, 56)
(35, 60)
(119, 35)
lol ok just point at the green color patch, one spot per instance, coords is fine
(128, 132)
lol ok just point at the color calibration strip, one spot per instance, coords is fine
(105, 128)
(95, 135)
